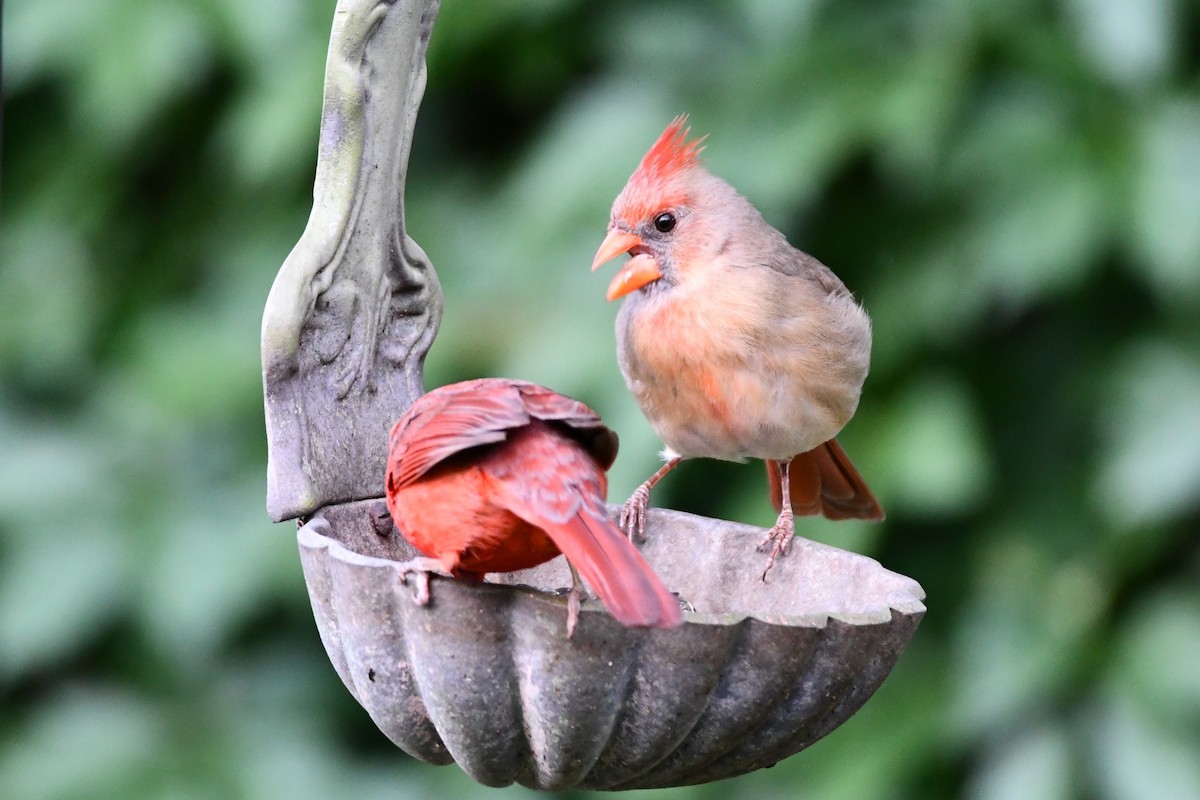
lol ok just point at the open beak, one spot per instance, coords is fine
(635, 273)
(614, 244)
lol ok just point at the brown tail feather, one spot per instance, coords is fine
(823, 481)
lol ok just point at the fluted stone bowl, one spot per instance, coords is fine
(484, 674)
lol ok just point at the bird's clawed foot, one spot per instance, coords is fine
(420, 568)
(633, 514)
(779, 538)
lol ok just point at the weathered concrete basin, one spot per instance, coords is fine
(484, 676)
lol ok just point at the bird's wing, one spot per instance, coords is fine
(799, 264)
(584, 423)
(449, 420)
(552, 483)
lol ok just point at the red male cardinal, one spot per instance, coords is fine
(735, 344)
(496, 475)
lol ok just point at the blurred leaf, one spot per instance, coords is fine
(126, 58)
(190, 365)
(930, 453)
(1157, 657)
(1031, 764)
(1151, 425)
(44, 37)
(59, 590)
(1042, 240)
(1130, 42)
(64, 568)
(1020, 638)
(274, 123)
(925, 96)
(49, 473)
(1135, 759)
(46, 286)
(140, 58)
(1041, 208)
(1167, 200)
(85, 741)
(213, 570)
(268, 28)
(921, 304)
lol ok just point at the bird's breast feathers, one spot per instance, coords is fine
(745, 370)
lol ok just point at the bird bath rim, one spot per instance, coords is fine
(906, 598)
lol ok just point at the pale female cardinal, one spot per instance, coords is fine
(496, 475)
(735, 344)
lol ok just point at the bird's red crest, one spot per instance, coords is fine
(671, 154)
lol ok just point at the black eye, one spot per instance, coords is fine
(664, 222)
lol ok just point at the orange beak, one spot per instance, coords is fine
(635, 273)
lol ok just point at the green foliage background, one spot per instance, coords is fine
(1012, 188)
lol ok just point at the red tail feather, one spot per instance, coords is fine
(823, 481)
(616, 571)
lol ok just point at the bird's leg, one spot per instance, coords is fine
(419, 568)
(633, 513)
(574, 598)
(784, 529)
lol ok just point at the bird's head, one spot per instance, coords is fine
(654, 217)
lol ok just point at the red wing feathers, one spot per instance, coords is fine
(549, 473)
(454, 418)
(590, 430)
(449, 420)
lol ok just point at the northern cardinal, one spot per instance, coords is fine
(496, 475)
(735, 344)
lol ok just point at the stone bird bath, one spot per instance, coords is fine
(483, 675)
